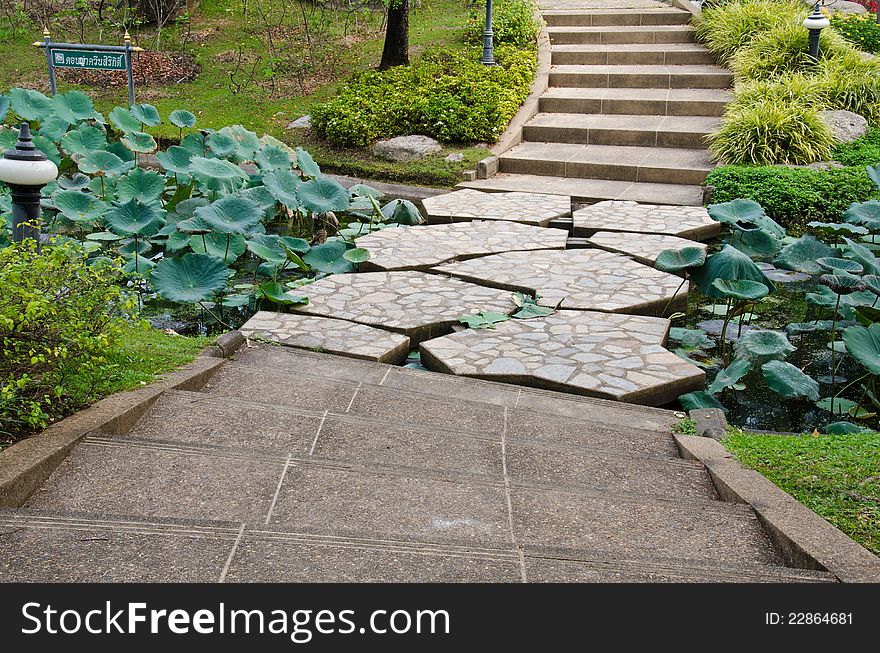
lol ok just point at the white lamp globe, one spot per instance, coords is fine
(24, 165)
(816, 20)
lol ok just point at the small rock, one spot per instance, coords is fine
(454, 158)
(845, 125)
(301, 123)
(845, 7)
(406, 148)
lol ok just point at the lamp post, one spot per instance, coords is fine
(26, 170)
(488, 46)
(815, 22)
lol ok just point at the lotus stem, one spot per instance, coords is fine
(214, 315)
(226, 253)
(724, 333)
(680, 286)
(849, 385)
(833, 352)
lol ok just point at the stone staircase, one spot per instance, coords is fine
(300, 466)
(630, 102)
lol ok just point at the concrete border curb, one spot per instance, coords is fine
(27, 464)
(687, 5)
(805, 539)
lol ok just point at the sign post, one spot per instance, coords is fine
(90, 57)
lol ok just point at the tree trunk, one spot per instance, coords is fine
(396, 51)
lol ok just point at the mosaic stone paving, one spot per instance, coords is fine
(587, 279)
(465, 205)
(328, 335)
(595, 354)
(416, 304)
(644, 248)
(691, 222)
(413, 248)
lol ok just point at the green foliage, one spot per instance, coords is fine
(445, 94)
(793, 196)
(864, 151)
(57, 316)
(783, 49)
(862, 30)
(514, 23)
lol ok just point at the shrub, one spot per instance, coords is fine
(726, 28)
(864, 151)
(514, 22)
(793, 196)
(862, 30)
(769, 131)
(851, 82)
(57, 317)
(448, 95)
(783, 49)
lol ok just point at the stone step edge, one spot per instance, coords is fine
(215, 529)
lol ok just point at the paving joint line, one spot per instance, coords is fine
(522, 562)
(278, 489)
(317, 434)
(231, 555)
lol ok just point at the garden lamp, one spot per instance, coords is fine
(815, 22)
(488, 46)
(26, 170)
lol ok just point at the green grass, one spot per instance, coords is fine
(275, 98)
(836, 476)
(864, 151)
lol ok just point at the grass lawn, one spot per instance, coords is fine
(244, 81)
(142, 356)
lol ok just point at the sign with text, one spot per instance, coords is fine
(94, 60)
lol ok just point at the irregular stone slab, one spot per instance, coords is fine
(845, 125)
(691, 222)
(644, 248)
(586, 279)
(414, 248)
(467, 204)
(416, 304)
(406, 148)
(328, 335)
(582, 352)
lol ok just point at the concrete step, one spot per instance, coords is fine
(604, 18)
(588, 191)
(662, 54)
(636, 101)
(627, 76)
(622, 34)
(658, 165)
(58, 546)
(617, 129)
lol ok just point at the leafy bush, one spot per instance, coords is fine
(862, 30)
(851, 82)
(770, 131)
(782, 49)
(448, 95)
(793, 196)
(864, 151)
(514, 22)
(58, 315)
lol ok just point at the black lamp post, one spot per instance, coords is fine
(488, 46)
(26, 170)
(815, 22)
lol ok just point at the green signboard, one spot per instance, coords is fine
(88, 59)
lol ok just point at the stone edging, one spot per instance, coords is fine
(803, 537)
(687, 5)
(27, 464)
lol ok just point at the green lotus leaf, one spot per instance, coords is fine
(246, 142)
(175, 159)
(176, 241)
(231, 215)
(262, 197)
(4, 106)
(691, 339)
(837, 228)
(227, 247)
(190, 278)
(296, 245)
(842, 284)
(8, 137)
(306, 164)
(53, 128)
(194, 225)
(741, 213)
(145, 114)
(321, 195)
(140, 246)
(187, 208)
(866, 315)
(104, 236)
(30, 105)
(841, 406)
(827, 298)
(236, 301)
(270, 158)
(833, 264)
(221, 144)
(277, 293)
(196, 143)
(866, 214)
(676, 260)
(362, 190)
(217, 174)
(78, 206)
(862, 255)
(139, 142)
(135, 219)
(801, 255)
(402, 212)
(483, 320)
(788, 381)
(729, 264)
(140, 185)
(759, 345)
(74, 107)
(697, 400)
(47, 147)
(356, 255)
(755, 242)
(872, 283)
(863, 344)
(123, 120)
(729, 376)
(138, 266)
(182, 118)
(77, 182)
(328, 257)
(844, 428)
(101, 161)
(741, 289)
(282, 184)
(268, 247)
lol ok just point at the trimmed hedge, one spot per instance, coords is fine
(794, 196)
(514, 22)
